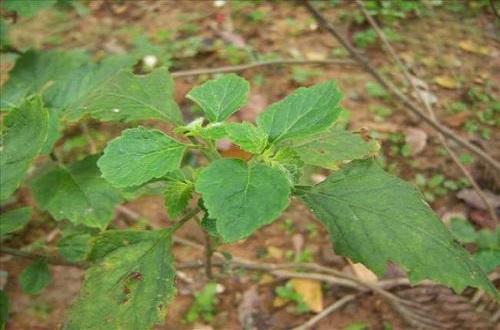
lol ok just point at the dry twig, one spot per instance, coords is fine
(409, 105)
(428, 107)
(243, 67)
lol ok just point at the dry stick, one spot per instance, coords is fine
(428, 107)
(327, 311)
(242, 67)
(412, 107)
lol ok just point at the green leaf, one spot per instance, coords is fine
(130, 285)
(462, 230)
(247, 136)
(35, 277)
(22, 137)
(27, 8)
(53, 131)
(242, 197)
(129, 97)
(14, 220)
(489, 260)
(4, 309)
(488, 239)
(375, 218)
(177, 196)
(72, 91)
(75, 247)
(330, 149)
(77, 193)
(139, 155)
(36, 71)
(220, 98)
(305, 112)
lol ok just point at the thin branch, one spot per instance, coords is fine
(243, 67)
(428, 107)
(208, 255)
(53, 260)
(412, 107)
(327, 311)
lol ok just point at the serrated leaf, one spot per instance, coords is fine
(213, 131)
(22, 137)
(37, 71)
(53, 131)
(177, 196)
(129, 97)
(77, 193)
(375, 218)
(331, 148)
(220, 98)
(305, 112)
(72, 91)
(75, 247)
(139, 155)
(247, 137)
(35, 277)
(130, 285)
(289, 162)
(242, 197)
(14, 220)
(27, 8)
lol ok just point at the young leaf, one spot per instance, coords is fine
(129, 97)
(36, 71)
(331, 148)
(140, 155)
(77, 193)
(21, 139)
(375, 218)
(14, 220)
(247, 136)
(35, 277)
(242, 197)
(177, 196)
(305, 112)
(220, 98)
(130, 284)
(75, 247)
(489, 260)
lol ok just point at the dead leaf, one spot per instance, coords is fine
(310, 291)
(471, 197)
(447, 82)
(199, 326)
(279, 302)
(316, 55)
(457, 120)
(363, 273)
(416, 139)
(472, 47)
(297, 242)
(248, 307)
(275, 252)
(266, 279)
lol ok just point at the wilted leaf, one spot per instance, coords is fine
(447, 82)
(311, 293)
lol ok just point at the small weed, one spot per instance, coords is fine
(204, 306)
(288, 293)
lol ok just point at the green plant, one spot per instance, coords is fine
(288, 293)
(438, 185)
(486, 241)
(204, 305)
(372, 217)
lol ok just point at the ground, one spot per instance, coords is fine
(455, 52)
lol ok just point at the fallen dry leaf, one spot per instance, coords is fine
(457, 120)
(248, 307)
(310, 290)
(363, 273)
(447, 82)
(416, 139)
(471, 197)
(471, 47)
(275, 252)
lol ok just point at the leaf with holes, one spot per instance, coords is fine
(130, 283)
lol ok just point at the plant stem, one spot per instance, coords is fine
(209, 251)
(188, 216)
(53, 260)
